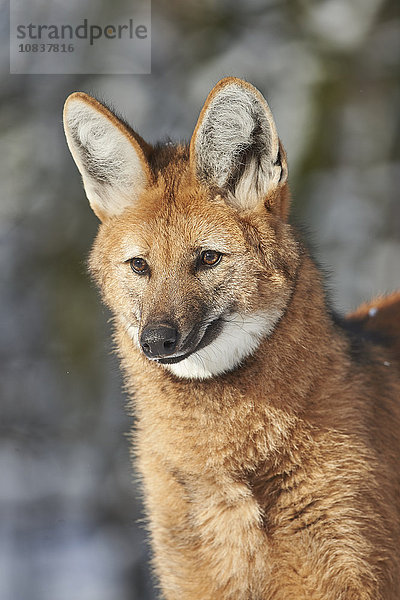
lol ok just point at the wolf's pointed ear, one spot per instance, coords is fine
(110, 157)
(235, 146)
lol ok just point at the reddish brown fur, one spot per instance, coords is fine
(278, 480)
(381, 316)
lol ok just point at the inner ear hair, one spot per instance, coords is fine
(235, 146)
(110, 156)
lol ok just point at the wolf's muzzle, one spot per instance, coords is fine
(158, 340)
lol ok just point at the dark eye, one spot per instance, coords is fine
(210, 258)
(139, 265)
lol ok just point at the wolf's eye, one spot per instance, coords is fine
(139, 265)
(210, 258)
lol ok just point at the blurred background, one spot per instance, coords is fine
(69, 503)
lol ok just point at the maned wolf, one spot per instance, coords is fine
(268, 433)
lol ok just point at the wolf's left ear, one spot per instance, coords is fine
(235, 146)
(110, 157)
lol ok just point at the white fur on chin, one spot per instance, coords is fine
(239, 338)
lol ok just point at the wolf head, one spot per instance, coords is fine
(193, 255)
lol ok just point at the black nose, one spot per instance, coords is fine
(158, 340)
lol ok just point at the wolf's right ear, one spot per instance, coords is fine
(235, 147)
(110, 157)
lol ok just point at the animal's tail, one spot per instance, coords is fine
(382, 316)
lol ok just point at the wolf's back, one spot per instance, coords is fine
(381, 316)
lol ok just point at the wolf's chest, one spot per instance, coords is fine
(226, 519)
